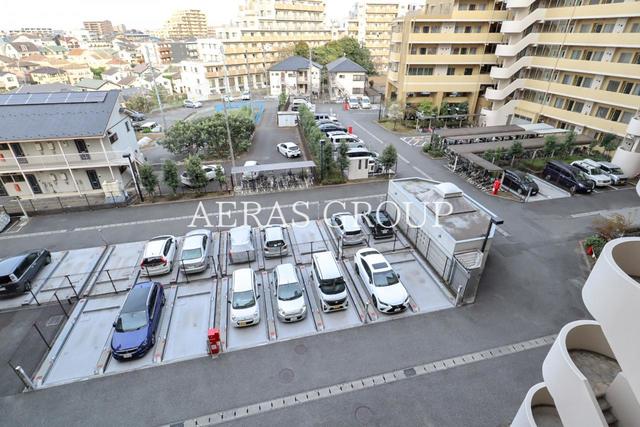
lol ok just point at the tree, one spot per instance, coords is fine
(516, 150)
(195, 174)
(301, 49)
(282, 100)
(183, 137)
(489, 155)
(220, 177)
(170, 175)
(343, 159)
(550, 144)
(139, 103)
(148, 179)
(348, 47)
(567, 144)
(609, 142)
(388, 158)
(395, 113)
(426, 110)
(97, 72)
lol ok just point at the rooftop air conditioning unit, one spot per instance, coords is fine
(448, 190)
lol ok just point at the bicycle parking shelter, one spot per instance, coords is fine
(254, 171)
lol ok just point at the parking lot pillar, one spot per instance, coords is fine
(24, 377)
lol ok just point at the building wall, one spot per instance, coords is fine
(346, 84)
(185, 24)
(293, 82)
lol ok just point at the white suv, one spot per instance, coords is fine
(593, 172)
(388, 293)
(288, 149)
(348, 228)
(158, 256)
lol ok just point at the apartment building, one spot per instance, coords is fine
(591, 375)
(371, 21)
(444, 53)
(76, 147)
(572, 65)
(264, 32)
(346, 78)
(292, 77)
(185, 24)
(45, 75)
(99, 29)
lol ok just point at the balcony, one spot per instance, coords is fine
(578, 371)
(451, 59)
(538, 409)
(614, 282)
(282, 5)
(629, 40)
(465, 16)
(579, 66)
(62, 161)
(444, 83)
(454, 38)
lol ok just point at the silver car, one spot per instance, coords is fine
(348, 229)
(194, 256)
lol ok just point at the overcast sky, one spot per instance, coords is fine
(140, 14)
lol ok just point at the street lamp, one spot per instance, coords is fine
(494, 221)
(321, 160)
(224, 106)
(133, 173)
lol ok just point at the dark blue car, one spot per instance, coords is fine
(135, 328)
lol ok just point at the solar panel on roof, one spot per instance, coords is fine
(96, 96)
(52, 98)
(57, 98)
(38, 98)
(14, 99)
(76, 97)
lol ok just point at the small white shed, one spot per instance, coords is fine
(287, 119)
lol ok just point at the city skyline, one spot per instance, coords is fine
(141, 15)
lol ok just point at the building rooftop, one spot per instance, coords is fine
(344, 65)
(47, 70)
(294, 63)
(47, 88)
(58, 115)
(93, 84)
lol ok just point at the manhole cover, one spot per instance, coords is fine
(364, 415)
(54, 321)
(409, 372)
(286, 375)
(300, 349)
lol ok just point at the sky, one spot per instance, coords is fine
(139, 14)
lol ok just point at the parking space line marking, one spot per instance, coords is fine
(585, 214)
(503, 231)
(404, 159)
(417, 169)
(367, 131)
(367, 382)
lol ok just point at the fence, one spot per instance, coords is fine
(56, 204)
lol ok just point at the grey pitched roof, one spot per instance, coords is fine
(294, 63)
(344, 65)
(47, 88)
(47, 70)
(94, 84)
(111, 71)
(56, 121)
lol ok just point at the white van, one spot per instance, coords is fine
(244, 310)
(289, 294)
(241, 245)
(325, 116)
(353, 103)
(250, 175)
(273, 242)
(351, 140)
(330, 282)
(365, 103)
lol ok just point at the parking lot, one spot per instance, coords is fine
(101, 277)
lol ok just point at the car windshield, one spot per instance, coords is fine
(289, 291)
(131, 321)
(332, 286)
(595, 171)
(243, 299)
(385, 278)
(188, 254)
(581, 175)
(617, 171)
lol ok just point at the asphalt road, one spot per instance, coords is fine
(530, 288)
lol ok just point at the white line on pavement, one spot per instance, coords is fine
(585, 214)
(417, 169)
(503, 231)
(367, 131)
(404, 159)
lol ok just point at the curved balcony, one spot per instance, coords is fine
(612, 296)
(498, 116)
(500, 94)
(629, 40)
(634, 125)
(514, 4)
(515, 27)
(578, 371)
(538, 409)
(579, 66)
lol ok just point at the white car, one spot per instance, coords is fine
(387, 291)
(353, 102)
(250, 175)
(191, 104)
(593, 172)
(614, 172)
(194, 256)
(365, 103)
(228, 98)
(209, 171)
(288, 149)
(348, 228)
(289, 294)
(244, 310)
(246, 96)
(157, 258)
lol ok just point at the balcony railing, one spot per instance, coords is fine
(62, 161)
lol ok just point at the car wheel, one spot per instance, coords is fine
(48, 259)
(573, 189)
(164, 299)
(519, 190)
(153, 340)
(375, 302)
(547, 177)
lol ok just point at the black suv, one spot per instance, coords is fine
(379, 223)
(568, 176)
(17, 272)
(519, 182)
(330, 127)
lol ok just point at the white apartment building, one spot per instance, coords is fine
(77, 146)
(292, 76)
(346, 78)
(203, 80)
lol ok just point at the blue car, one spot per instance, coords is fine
(135, 328)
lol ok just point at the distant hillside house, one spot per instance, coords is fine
(44, 75)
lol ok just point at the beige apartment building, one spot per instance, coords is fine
(264, 34)
(444, 53)
(99, 29)
(185, 24)
(371, 21)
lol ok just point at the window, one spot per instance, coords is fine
(4, 146)
(625, 57)
(451, 71)
(566, 80)
(425, 29)
(584, 28)
(597, 28)
(602, 112)
(615, 115)
(626, 117)
(418, 70)
(113, 137)
(559, 103)
(468, 71)
(597, 56)
(635, 28)
(587, 81)
(577, 107)
(576, 54)
(613, 85)
(626, 87)
(608, 28)
(126, 124)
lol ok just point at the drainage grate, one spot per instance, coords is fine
(364, 413)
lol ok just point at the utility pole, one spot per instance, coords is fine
(246, 65)
(155, 86)
(310, 80)
(224, 107)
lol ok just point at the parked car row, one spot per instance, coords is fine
(356, 102)
(583, 176)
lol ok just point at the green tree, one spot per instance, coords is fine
(97, 72)
(220, 177)
(516, 150)
(489, 155)
(343, 159)
(195, 174)
(301, 49)
(346, 46)
(567, 143)
(388, 158)
(184, 137)
(170, 175)
(426, 109)
(148, 179)
(328, 161)
(282, 100)
(550, 145)
(395, 113)
(139, 103)
(609, 142)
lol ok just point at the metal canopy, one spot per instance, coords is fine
(273, 167)
(477, 132)
(479, 161)
(530, 143)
